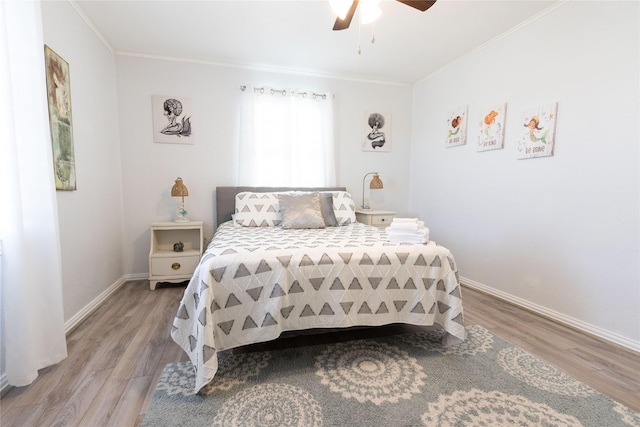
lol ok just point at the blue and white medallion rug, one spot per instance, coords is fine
(401, 380)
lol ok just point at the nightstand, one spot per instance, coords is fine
(167, 265)
(377, 218)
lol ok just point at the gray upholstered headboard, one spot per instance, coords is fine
(226, 197)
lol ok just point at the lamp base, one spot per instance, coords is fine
(181, 213)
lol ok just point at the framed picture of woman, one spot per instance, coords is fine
(172, 117)
(377, 132)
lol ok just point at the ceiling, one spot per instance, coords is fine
(297, 35)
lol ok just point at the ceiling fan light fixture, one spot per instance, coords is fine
(340, 7)
(370, 10)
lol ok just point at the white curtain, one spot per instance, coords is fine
(33, 320)
(286, 138)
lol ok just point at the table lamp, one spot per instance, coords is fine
(179, 190)
(375, 184)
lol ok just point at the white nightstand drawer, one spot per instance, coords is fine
(381, 220)
(375, 218)
(172, 266)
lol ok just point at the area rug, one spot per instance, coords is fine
(401, 380)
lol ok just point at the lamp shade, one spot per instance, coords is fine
(179, 189)
(376, 183)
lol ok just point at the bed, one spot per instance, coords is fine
(259, 277)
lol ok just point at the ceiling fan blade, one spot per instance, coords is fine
(343, 24)
(421, 5)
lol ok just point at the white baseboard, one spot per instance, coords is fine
(137, 276)
(80, 316)
(555, 316)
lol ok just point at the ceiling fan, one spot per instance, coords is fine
(343, 23)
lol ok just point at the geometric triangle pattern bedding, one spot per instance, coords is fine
(253, 283)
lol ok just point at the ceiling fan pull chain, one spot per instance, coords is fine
(373, 33)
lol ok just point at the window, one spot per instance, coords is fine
(286, 138)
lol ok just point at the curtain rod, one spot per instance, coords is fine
(283, 92)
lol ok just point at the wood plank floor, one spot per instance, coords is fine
(118, 353)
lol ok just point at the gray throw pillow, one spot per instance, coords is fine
(301, 210)
(326, 208)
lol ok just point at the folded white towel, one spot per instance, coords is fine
(406, 225)
(403, 236)
(416, 240)
(405, 219)
(424, 231)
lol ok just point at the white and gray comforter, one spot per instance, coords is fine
(253, 283)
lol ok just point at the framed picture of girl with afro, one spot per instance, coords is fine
(172, 119)
(537, 132)
(377, 132)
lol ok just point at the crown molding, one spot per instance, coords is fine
(91, 25)
(494, 40)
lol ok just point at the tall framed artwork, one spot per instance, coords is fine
(60, 120)
(457, 127)
(172, 117)
(491, 136)
(376, 132)
(537, 135)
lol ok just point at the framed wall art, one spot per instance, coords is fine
(377, 132)
(538, 132)
(491, 136)
(172, 117)
(60, 120)
(457, 127)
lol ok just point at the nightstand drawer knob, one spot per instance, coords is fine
(381, 219)
(175, 265)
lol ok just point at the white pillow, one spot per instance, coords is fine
(257, 209)
(344, 207)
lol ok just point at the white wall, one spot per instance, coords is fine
(149, 168)
(91, 217)
(560, 233)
